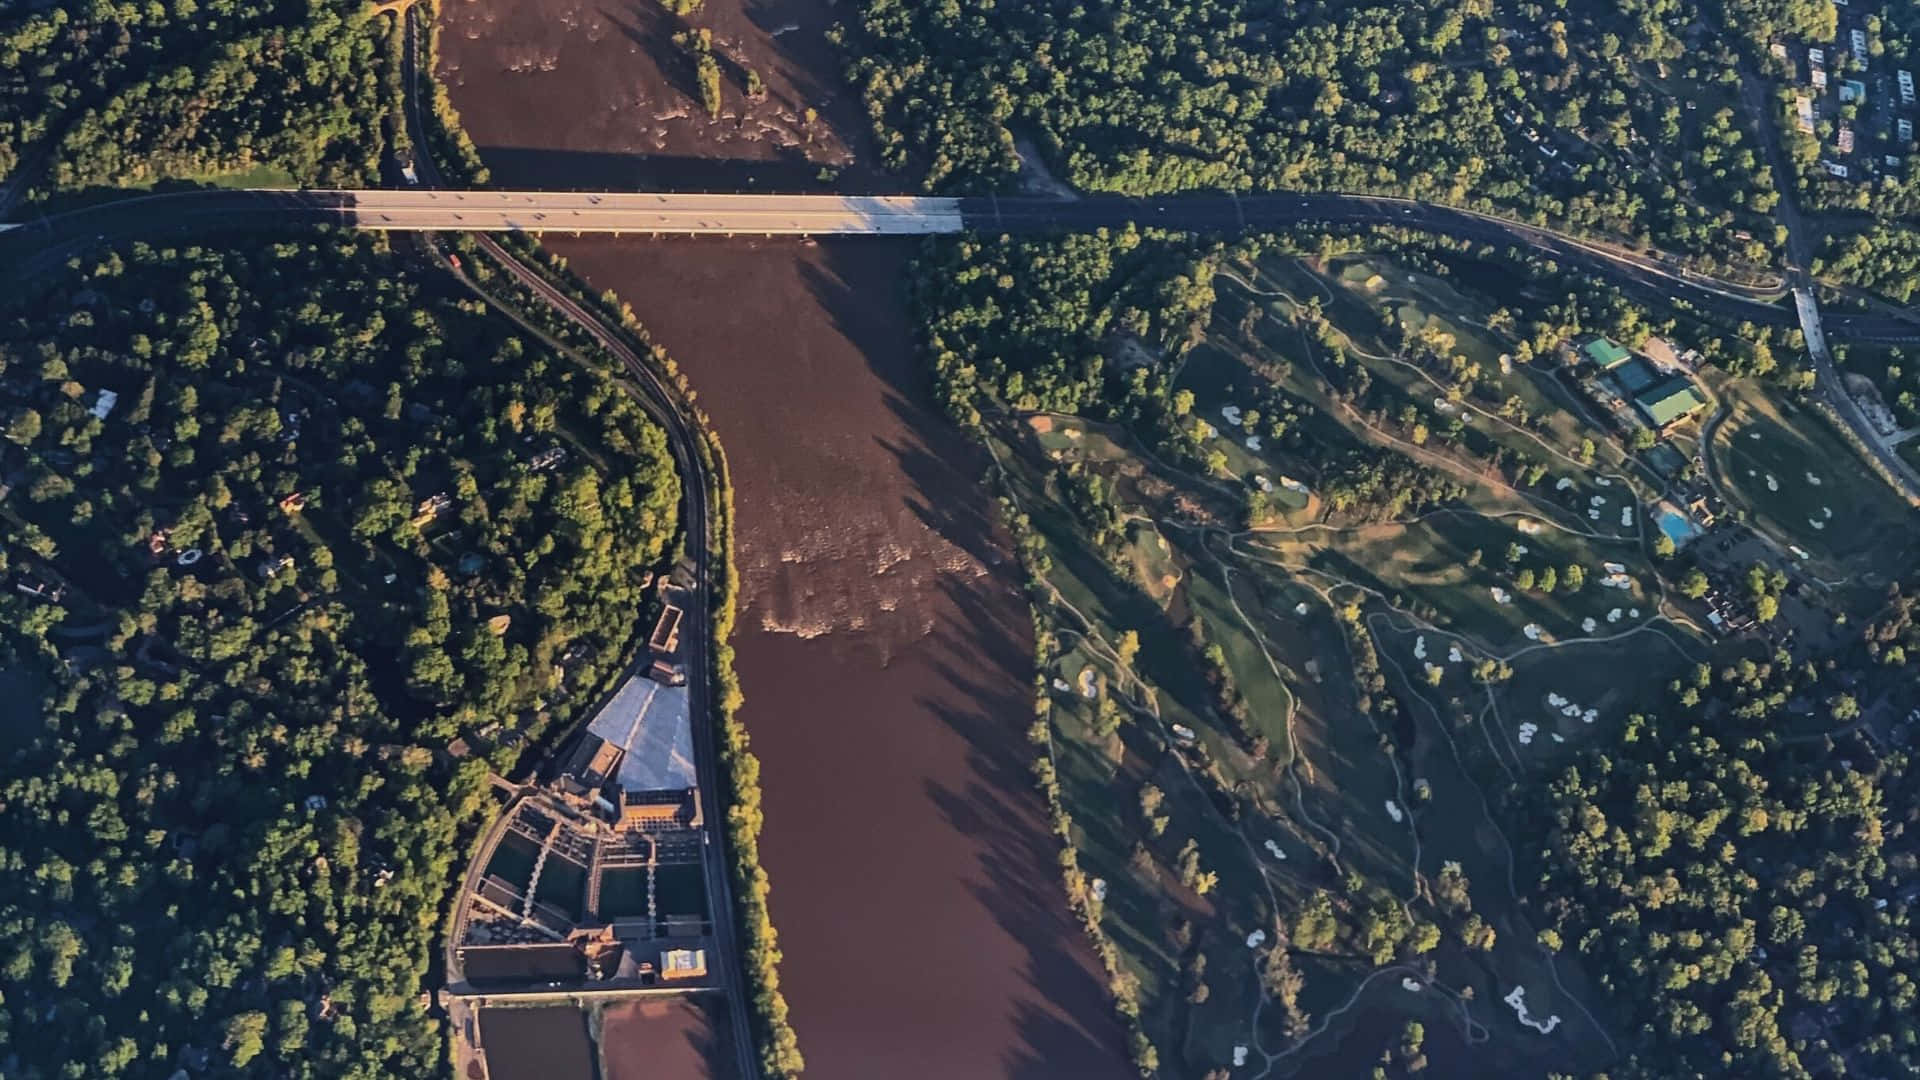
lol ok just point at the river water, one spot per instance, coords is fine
(884, 649)
(886, 657)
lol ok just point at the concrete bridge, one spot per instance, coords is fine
(680, 214)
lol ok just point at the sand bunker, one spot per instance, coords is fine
(1231, 414)
(1518, 999)
(1420, 647)
(1501, 596)
(1772, 484)
(1394, 811)
(1588, 625)
(1410, 983)
(1533, 630)
(1253, 442)
(1273, 846)
(1565, 483)
(1255, 939)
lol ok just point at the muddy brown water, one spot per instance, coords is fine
(886, 657)
(884, 649)
(585, 94)
(677, 1038)
(537, 1044)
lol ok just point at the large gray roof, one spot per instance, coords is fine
(652, 724)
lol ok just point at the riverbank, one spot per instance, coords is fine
(885, 654)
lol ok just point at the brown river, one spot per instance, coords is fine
(884, 649)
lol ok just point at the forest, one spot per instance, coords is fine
(298, 543)
(1545, 111)
(1750, 900)
(123, 95)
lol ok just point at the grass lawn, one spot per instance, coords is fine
(257, 176)
(1160, 573)
(1588, 675)
(1803, 483)
(1426, 567)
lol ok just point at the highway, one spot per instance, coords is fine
(52, 237)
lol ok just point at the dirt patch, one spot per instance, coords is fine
(918, 901)
(666, 1039)
(536, 1044)
(572, 94)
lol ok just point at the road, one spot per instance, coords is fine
(670, 412)
(1813, 327)
(52, 238)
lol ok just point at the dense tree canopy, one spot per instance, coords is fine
(1546, 110)
(126, 94)
(1750, 900)
(333, 520)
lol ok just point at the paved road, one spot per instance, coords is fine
(669, 410)
(1815, 327)
(52, 238)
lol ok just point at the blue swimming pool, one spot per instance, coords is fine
(1678, 527)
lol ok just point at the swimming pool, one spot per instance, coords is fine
(1678, 527)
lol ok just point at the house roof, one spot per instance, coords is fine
(652, 725)
(1668, 401)
(1606, 352)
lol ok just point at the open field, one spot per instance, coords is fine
(1804, 485)
(1463, 572)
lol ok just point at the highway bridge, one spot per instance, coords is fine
(51, 237)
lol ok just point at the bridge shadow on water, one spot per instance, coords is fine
(532, 168)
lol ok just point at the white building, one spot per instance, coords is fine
(1858, 38)
(1906, 86)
